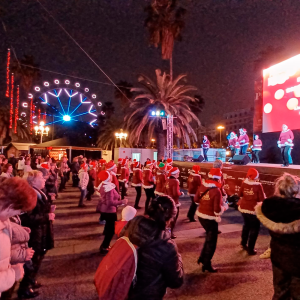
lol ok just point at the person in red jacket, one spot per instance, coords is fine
(210, 209)
(119, 167)
(137, 180)
(251, 193)
(112, 169)
(173, 191)
(243, 141)
(109, 201)
(124, 178)
(161, 177)
(154, 171)
(286, 144)
(205, 147)
(148, 184)
(193, 182)
(256, 148)
(232, 139)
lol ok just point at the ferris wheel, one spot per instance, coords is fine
(62, 102)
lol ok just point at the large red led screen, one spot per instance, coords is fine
(281, 95)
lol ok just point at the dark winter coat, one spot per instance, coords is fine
(75, 167)
(159, 263)
(282, 217)
(51, 182)
(41, 236)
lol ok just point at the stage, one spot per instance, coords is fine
(235, 174)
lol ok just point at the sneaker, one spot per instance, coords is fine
(102, 222)
(266, 254)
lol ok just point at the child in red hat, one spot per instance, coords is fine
(251, 193)
(193, 182)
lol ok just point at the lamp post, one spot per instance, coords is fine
(42, 130)
(121, 135)
(152, 140)
(220, 128)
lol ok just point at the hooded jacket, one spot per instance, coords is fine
(282, 217)
(83, 179)
(159, 263)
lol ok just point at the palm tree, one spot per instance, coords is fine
(165, 23)
(125, 95)
(26, 72)
(163, 94)
(6, 134)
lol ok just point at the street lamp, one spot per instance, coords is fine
(220, 128)
(121, 135)
(152, 140)
(42, 130)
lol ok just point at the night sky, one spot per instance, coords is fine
(220, 42)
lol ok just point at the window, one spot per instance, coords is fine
(136, 156)
(155, 155)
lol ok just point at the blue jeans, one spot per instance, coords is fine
(82, 196)
(205, 154)
(286, 155)
(243, 150)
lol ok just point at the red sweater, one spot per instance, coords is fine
(232, 142)
(161, 179)
(206, 144)
(194, 181)
(243, 140)
(137, 177)
(257, 144)
(173, 190)
(124, 174)
(210, 205)
(251, 192)
(148, 182)
(286, 138)
(119, 167)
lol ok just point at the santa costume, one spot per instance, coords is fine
(251, 193)
(256, 148)
(161, 177)
(243, 141)
(173, 191)
(124, 178)
(137, 180)
(193, 183)
(205, 147)
(148, 184)
(286, 144)
(111, 168)
(209, 213)
(232, 139)
(119, 167)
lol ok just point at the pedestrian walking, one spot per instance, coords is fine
(137, 180)
(148, 184)
(83, 183)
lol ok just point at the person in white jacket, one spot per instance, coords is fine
(15, 196)
(83, 182)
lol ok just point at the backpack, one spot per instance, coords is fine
(117, 271)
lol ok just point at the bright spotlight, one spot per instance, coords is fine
(157, 112)
(162, 113)
(153, 113)
(66, 118)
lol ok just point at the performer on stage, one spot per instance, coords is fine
(194, 181)
(256, 148)
(205, 147)
(137, 179)
(243, 141)
(286, 144)
(232, 139)
(209, 211)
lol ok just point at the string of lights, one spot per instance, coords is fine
(7, 73)
(17, 109)
(11, 112)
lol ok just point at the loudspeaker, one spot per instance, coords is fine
(199, 159)
(241, 159)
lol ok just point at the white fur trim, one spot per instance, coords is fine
(247, 181)
(134, 169)
(284, 228)
(111, 168)
(221, 212)
(123, 180)
(194, 174)
(148, 186)
(159, 193)
(208, 184)
(136, 184)
(191, 194)
(175, 172)
(178, 204)
(246, 211)
(204, 216)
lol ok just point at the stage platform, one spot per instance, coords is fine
(235, 174)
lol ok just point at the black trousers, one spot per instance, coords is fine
(205, 154)
(123, 189)
(173, 222)
(138, 195)
(75, 180)
(109, 228)
(286, 286)
(250, 230)
(149, 195)
(31, 269)
(63, 182)
(286, 155)
(210, 244)
(192, 210)
(255, 156)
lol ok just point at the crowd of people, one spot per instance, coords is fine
(30, 185)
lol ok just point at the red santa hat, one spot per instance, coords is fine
(134, 160)
(93, 164)
(102, 161)
(169, 161)
(120, 160)
(83, 166)
(110, 165)
(162, 166)
(243, 129)
(215, 173)
(154, 162)
(148, 164)
(137, 165)
(169, 167)
(104, 176)
(252, 174)
(124, 162)
(45, 166)
(173, 171)
(196, 169)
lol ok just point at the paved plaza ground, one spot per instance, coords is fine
(68, 270)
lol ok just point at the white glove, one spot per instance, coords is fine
(290, 141)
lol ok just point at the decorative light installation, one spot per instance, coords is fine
(42, 130)
(17, 109)
(56, 81)
(77, 84)
(31, 115)
(94, 96)
(39, 115)
(67, 81)
(46, 83)
(99, 103)
(37, 88)
(157, 113)
(7, 73)
(86, 90)
(121, 135)
(11, 101)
